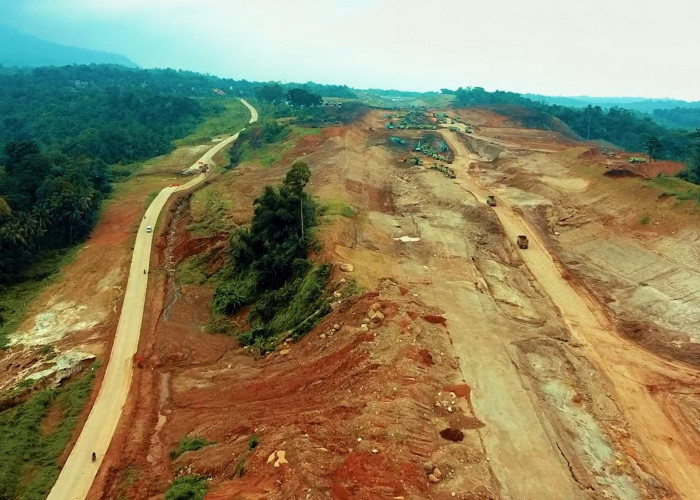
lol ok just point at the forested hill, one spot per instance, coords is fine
(22, 50)
(110, 113)
(61, 131)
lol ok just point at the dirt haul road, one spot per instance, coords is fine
(79, 470)
(631, 368)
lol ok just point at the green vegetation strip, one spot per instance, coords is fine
(673, 186)
(189, 443)
(35, 433)
(269, 271)
(190, 487)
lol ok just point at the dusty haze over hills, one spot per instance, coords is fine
(543, 46)
(18, 49)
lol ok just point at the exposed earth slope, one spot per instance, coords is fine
(79, 470)
(552, 396)
(453, 364)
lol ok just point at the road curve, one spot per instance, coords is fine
(79, 471)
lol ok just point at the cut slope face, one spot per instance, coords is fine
(513, 351)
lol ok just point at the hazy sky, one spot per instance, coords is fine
(558, 47)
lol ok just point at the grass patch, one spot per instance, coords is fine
(333, 208)
(15, 297)
(353, 288)
(267, 144)
(191, 271)
(266, 155)
(300, 132)
(226, 118)
(190, 487)
(208, 208)
(120, 172)
(130, 477)
(674, 186)
(28, 458)
(151, 196)
(189, 443)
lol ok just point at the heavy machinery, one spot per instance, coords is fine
(523, 241)
(491, 201)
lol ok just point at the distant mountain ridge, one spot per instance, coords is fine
(642, 104)
(20, 49)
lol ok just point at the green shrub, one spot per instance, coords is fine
(298, 314)
(645, 220)
(189, 444)
(190, 487)
(232, 294)
(255, 137)
(253, 442)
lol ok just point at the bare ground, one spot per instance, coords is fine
(587, 393)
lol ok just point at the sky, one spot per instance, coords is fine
(554, 47)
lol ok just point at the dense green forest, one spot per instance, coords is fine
(619, 126)
(685, 118)
(60, 131)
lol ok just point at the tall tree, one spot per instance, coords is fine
(302, 97)
(692, 170)
(652, 146)
(271, 93)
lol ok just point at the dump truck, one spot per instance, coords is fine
(523, 241)
(491, 201)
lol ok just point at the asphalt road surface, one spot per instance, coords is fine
(79, 471)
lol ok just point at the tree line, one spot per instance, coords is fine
(62, 130)
(617, 125)
(47, 201)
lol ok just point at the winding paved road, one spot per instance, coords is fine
(79, 471)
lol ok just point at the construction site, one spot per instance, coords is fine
(459, 360)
